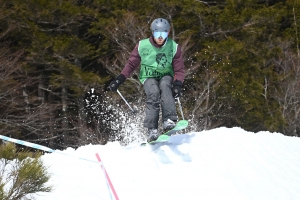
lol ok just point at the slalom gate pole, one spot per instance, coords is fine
(41, 147)
(133, 111)
(28, 144)
(108, 181)
(180, 107)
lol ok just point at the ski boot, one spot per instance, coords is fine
(152, 134)
(168, 125)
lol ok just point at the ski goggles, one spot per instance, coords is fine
(158, 34)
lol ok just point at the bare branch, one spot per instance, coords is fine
(296, 30)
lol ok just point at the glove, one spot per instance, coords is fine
(117, 82)
(177, 87)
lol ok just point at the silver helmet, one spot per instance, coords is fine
(160, 24)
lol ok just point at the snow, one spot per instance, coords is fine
(223, 163)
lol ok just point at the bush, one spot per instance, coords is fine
(21, 173)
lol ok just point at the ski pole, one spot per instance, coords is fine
(180, 108)
(133, 111)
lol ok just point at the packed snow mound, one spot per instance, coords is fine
(223, 163)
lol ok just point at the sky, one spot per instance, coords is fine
(222, 163)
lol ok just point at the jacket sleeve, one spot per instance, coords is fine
(178, 65)
(133, 62)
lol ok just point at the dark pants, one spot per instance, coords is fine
(159, 92)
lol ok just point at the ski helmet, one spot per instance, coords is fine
(160, 24)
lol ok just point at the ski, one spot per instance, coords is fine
(182, 124)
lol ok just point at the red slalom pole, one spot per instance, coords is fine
(107, 177)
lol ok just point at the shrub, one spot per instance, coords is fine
(21, 173)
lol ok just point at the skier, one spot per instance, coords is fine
(161, 73)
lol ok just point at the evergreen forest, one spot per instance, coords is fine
(242, 64)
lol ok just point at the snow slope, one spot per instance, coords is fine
(224, 163)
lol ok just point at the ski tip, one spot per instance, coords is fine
(183, 122)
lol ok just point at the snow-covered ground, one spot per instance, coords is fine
(220, 164)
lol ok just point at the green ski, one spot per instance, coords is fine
(182, 124)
